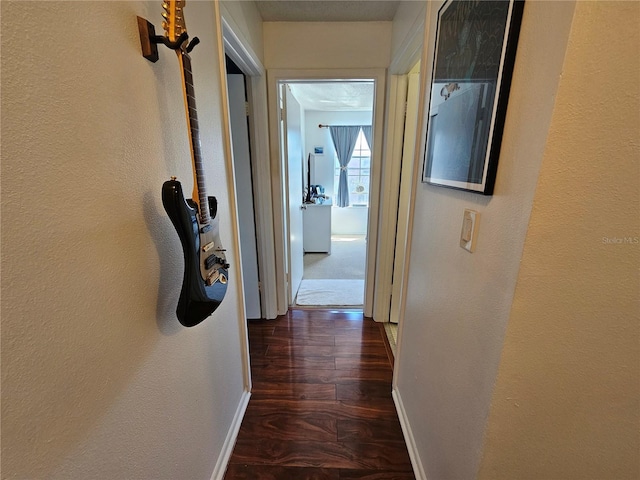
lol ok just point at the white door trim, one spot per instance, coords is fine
(406, 193)
(250, 64)
(394, 133)
(276, 76)
(231, 185)
(237, 49)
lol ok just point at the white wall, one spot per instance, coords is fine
(458, 304)
(344, 221)
(349, 220)
(99, 380)
(567, 398)
(327, 45)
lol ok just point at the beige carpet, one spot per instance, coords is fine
(335, 279)
(347, 259)
(326, 292)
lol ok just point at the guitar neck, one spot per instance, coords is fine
(199, 193)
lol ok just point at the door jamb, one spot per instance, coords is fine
(276, 76)
(394, 141)
(251, 66)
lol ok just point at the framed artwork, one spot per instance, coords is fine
(318, 150)
(472, 67)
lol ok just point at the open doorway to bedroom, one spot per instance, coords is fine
(336, 134)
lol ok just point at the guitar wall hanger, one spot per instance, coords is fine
(149, 40)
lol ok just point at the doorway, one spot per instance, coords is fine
(335, 229)
(275, 78)
(242, 165)
(332, 270)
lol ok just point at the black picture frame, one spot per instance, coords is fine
(475, 51)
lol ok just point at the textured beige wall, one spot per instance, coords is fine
(566, 402)
(300, 45)
(458, 303)
(98, 378)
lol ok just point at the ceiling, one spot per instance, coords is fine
(334, 96)
(327, 10)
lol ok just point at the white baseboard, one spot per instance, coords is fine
(418, 470)
(230, 441)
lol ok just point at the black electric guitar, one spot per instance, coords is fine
(205, 266)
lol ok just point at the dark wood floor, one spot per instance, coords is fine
(321, 406)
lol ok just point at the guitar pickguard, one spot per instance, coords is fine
(212, 256)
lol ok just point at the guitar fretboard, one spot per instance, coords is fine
(192, 119)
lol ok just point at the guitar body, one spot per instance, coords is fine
(205, 272)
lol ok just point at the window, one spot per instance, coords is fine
(358, 174)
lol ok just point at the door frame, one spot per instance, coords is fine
(394, 141)
(287, 161)
(275, 77)
(408, 158)
(247, 60)
(243, 174)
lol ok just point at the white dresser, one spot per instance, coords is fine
(317, 228)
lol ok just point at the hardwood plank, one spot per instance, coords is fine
(357, 340)
(293, 340)
(353, 350)
(302, 391)
(279, 426)
(360, 351)
(300, 350)
(267, 472)
(258, 350)
(297, 362)
(335, 322)
(340, 410)
(304, 375)
(304, 453)
(362, 363)
(374, 475)
(370, 430)
(293, 330)
(364, 390)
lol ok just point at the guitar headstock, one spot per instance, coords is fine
(173, 23)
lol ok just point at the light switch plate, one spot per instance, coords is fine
(469, 230)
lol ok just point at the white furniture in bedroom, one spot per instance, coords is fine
(317, 228)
